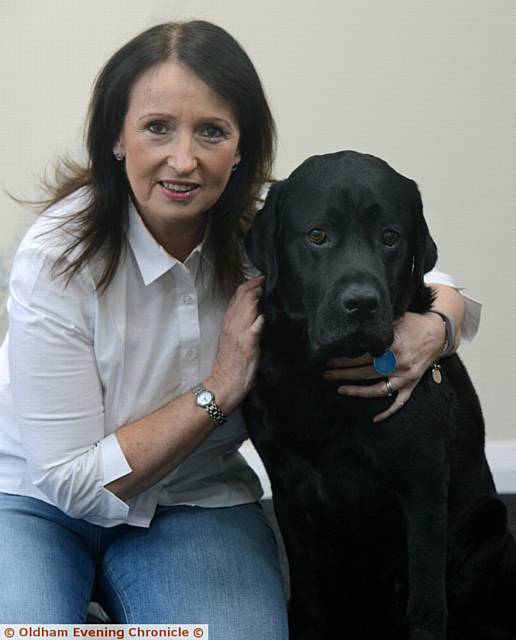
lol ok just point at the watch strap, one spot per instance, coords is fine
(215, 413)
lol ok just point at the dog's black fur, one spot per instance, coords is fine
(393, 530)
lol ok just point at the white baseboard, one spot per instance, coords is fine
(501, 456)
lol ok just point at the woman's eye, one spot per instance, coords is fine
(212, 132)
(317, 236)
(390, 238)
(158, 127)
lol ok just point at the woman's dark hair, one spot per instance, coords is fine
(217, 59)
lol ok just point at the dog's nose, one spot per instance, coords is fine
(360, 303)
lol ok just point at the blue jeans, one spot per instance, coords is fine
(193, 565)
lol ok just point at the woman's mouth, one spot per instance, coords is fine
(178, 191)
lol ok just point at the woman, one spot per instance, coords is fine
(133, 339)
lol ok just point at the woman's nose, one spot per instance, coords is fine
(181, 155)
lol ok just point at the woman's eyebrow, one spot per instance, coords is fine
(155, 115)
(206, 118)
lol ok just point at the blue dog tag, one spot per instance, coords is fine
(386, 363)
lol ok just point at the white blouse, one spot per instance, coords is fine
(76, 365)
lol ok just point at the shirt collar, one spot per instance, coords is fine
(152, 259)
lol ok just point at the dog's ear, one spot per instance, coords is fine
(424, 257)
(260, 241)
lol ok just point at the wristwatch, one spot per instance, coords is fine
(206, 400)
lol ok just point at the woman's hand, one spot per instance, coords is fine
(419, 339)
(239, 347)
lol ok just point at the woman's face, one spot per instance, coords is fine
(180, 141)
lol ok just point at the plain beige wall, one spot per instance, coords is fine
(428, 85)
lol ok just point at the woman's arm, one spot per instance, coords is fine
(450, 302)
(57, 391)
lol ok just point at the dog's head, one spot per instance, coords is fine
(344, 246)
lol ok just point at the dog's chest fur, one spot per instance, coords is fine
(350, 460)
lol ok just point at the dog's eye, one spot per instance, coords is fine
(390, 237)
(317, 236)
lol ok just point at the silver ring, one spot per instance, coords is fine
(388, 386)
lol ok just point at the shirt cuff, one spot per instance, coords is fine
(114, 465)
(113, 460)
(472, 308)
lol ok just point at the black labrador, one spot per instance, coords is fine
(393, 530)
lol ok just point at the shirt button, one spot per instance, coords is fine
(187, 298)
(191, 354)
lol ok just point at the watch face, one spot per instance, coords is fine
(204, 398)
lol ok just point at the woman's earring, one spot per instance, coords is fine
(234, 167)
(118, 156)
